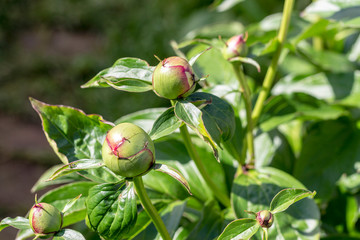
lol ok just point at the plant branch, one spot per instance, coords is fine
(270, 74)
(223, 198)
(247, 98)
(150, 209)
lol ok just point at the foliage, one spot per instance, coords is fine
(257, 141)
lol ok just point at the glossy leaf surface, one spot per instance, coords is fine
(166, 124)
(127, 74)
(111, 209)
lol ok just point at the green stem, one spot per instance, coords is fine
(265, 234)
(270, 74)
(223, 198)
(150, 209)
(248, 108)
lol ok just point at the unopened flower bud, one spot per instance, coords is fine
(235, 47)
(45, 219)
(173, 78)
(265, 218)
(128, 150)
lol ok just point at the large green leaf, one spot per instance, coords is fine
(253, 191)
(111, 209)
(173, 153)
(127, 74)
(273, 149)
(71, 133)
(60, 196)
(329, 150)
(284, 108)
(143, 118)
(165, 124)
(240, 229)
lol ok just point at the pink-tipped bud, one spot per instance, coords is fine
(265, 218)
(235, 47)
(173, 78)
(128, 150)
(45, 219)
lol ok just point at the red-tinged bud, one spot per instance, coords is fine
(265, 218)
(45, 219)
(173, 78)
(235, 47)
(128, 150)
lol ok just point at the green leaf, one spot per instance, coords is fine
(328, 86)
(273, 149)
(174, 174)
(210, 223)
(42, 183)
(18, 222)
(312, 30)
(217, 110)
(209, 116)
(127, 74)
(60, 197)
(253, 191)
(192, 116)
(285, 198)
(166, 124)
(194, 58)
(329, 150)
(111, 209)
(70, 204)
(346, 12)
(213, 64)
(76, 166)
(170, 213)
(143, 118)
(173, 153)
(243, 228)
(68, 234)
(72, 134)
(284, 108)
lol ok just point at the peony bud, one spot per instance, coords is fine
(173, 78)
(235, 47)
(45, 219)
(128, 150)
(265, 218)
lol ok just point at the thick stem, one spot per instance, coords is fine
(270, 74)
(248, 108)
(223, 198)
(150, 209)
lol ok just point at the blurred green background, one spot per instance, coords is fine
(49, 48)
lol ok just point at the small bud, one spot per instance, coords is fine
(265, 218)
(45, 219)
(235, 47)
(173, 78)
(128, 150)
